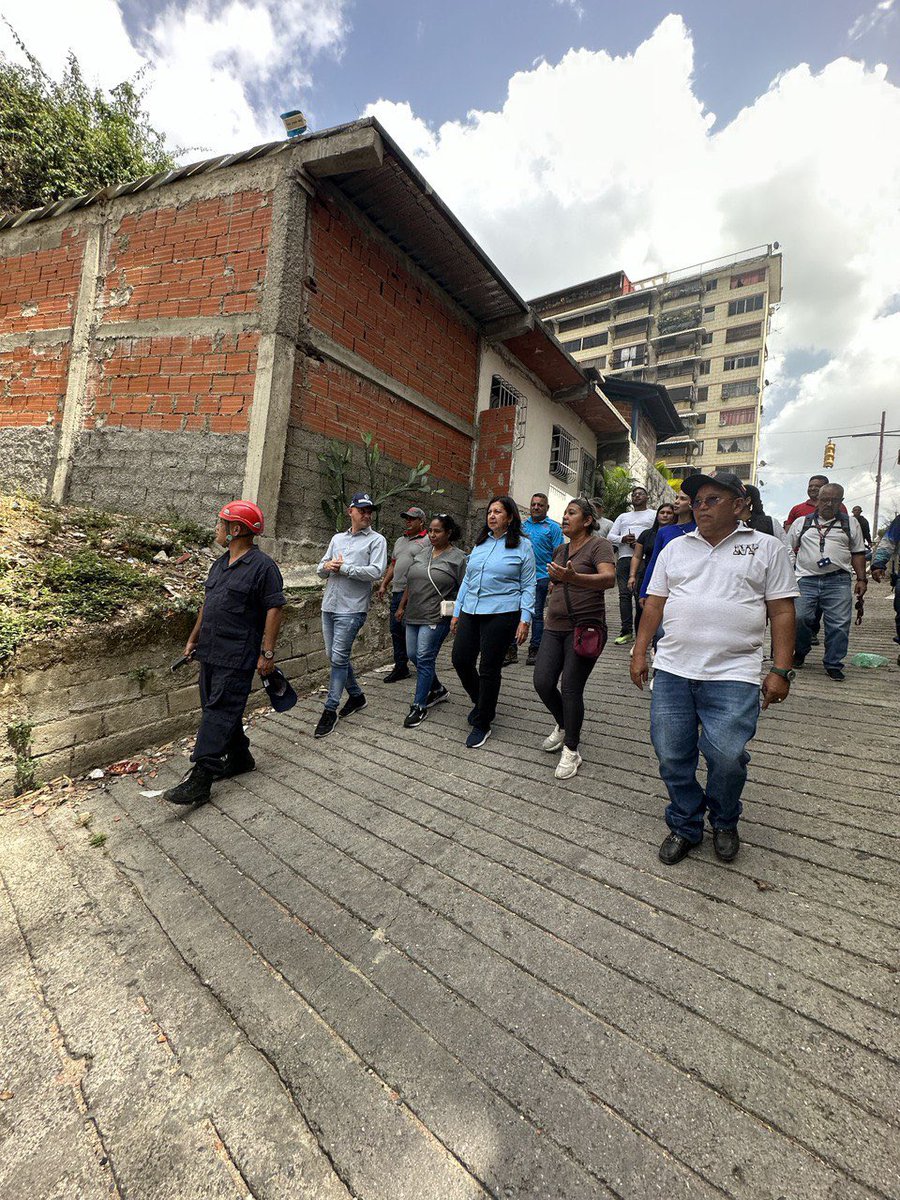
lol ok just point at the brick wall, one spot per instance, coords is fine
(493, 461)
(183, 280)
(368, 300)
(204, 259)
(175, 383)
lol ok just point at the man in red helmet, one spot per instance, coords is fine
(234, 635)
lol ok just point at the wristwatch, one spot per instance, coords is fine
(788, 675)
(268, 654)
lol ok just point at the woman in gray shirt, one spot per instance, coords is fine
(434, 576)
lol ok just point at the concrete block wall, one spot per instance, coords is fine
(89, 708)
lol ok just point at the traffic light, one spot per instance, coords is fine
(828, 457)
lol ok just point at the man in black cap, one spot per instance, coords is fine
(716, 586)
(408, 546)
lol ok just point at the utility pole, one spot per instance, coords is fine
(878, 476)
(830, 448)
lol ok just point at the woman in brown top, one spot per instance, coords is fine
(580, 572)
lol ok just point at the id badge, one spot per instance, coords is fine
(824, 562)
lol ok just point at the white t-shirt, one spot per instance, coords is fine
(715, 614)
(810, 549)
(630, 522)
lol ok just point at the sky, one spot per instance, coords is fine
(578, 137)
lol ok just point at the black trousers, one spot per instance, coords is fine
(478, 652)
(223, 694)
(629, 609)
(557, 658)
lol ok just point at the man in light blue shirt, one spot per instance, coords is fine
(545, 536)
(353, 563)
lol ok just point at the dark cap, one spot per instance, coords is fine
(281, 695)
(362, 500)
(419, 513)
(692, 485)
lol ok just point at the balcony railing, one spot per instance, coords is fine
(680, 320)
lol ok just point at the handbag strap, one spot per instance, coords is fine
(431, 580)
(566, 595)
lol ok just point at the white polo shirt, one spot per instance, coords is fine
(825, 539)
(715, 615)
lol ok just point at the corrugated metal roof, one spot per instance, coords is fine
(149, 182)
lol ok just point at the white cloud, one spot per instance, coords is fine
(601, 162)
(868, 20)
(203, 61)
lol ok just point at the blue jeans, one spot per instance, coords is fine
(718, 718)
(398, 636)
(422, 645)
(833, 594)
(540, 603)
(339, 631)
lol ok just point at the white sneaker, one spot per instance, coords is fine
(555, 741)
(568, 764)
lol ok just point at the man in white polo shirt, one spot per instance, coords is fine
(830, 550)
(716, 587)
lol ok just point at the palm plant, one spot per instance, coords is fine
(615, 490)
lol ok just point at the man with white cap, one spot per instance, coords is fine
(411, 542)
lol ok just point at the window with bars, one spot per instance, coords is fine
(587, 474)
(711, 285)
(594, 339)
(737, 416)
(705, 367)
(744, 333)
(503, 394)
(748, 277)
(744, 387)
(562, 454)
(706, 339)
(746, 304)
(738, 362)
(742, 470)
(736, 445)
(630, 356)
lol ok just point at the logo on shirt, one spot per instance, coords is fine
(746, 548)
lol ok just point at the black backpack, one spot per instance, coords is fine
(842, 518)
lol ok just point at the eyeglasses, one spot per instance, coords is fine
(709, 502)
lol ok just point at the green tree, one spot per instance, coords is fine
(615, 490)
(65, 138)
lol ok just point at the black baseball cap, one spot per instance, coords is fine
(692, 485)
(281, 695)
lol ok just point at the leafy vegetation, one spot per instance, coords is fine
(19, 737)
(338, 463)
(66, 138)
(615, 490)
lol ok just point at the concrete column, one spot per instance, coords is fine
(279, 327)
(79, 364)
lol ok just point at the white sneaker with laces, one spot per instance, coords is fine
(555, 741)
(568, 764)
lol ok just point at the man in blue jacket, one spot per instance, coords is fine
(545, 536)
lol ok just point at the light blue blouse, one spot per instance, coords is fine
(498, 579)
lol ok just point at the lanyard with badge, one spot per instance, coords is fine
(824, 560)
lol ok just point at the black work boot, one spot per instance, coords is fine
(238, 764)
(194, 788)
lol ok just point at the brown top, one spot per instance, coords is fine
(587, 604)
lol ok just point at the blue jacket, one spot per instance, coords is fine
(545, 536)
(665, 535)
(498, 580)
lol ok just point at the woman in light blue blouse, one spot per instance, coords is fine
(495, 604)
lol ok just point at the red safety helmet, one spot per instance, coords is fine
(245, 513)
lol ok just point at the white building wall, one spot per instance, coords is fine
(536, 418)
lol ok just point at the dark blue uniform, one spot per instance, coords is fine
(238, 596)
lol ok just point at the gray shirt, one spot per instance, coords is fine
(405, 550)
(604, 525)
(365, 561)
(423, 605)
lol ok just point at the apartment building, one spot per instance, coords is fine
(700, 331)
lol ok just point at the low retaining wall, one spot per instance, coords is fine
(102, 698)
